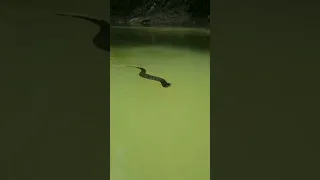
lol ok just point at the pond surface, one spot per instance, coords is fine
(160, 133)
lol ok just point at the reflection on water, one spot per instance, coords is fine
(180, 37)
(160, 133)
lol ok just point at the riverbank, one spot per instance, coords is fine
(161, 21)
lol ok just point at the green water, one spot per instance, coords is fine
(160, 133)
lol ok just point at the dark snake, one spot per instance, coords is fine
(102, 41)
(143, 74)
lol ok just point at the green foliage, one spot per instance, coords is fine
(143, 7)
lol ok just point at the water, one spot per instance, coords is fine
(160, 133)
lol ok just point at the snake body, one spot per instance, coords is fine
(143, 74)
(100, 40)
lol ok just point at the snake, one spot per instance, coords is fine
(102, 41)
(143, 74)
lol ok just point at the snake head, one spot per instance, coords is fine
(167, 85)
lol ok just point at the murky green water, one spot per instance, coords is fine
(160, 133)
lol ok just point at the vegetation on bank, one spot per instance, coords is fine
(160, 12)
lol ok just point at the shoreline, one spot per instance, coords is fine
(192, 22)
(163, 27)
